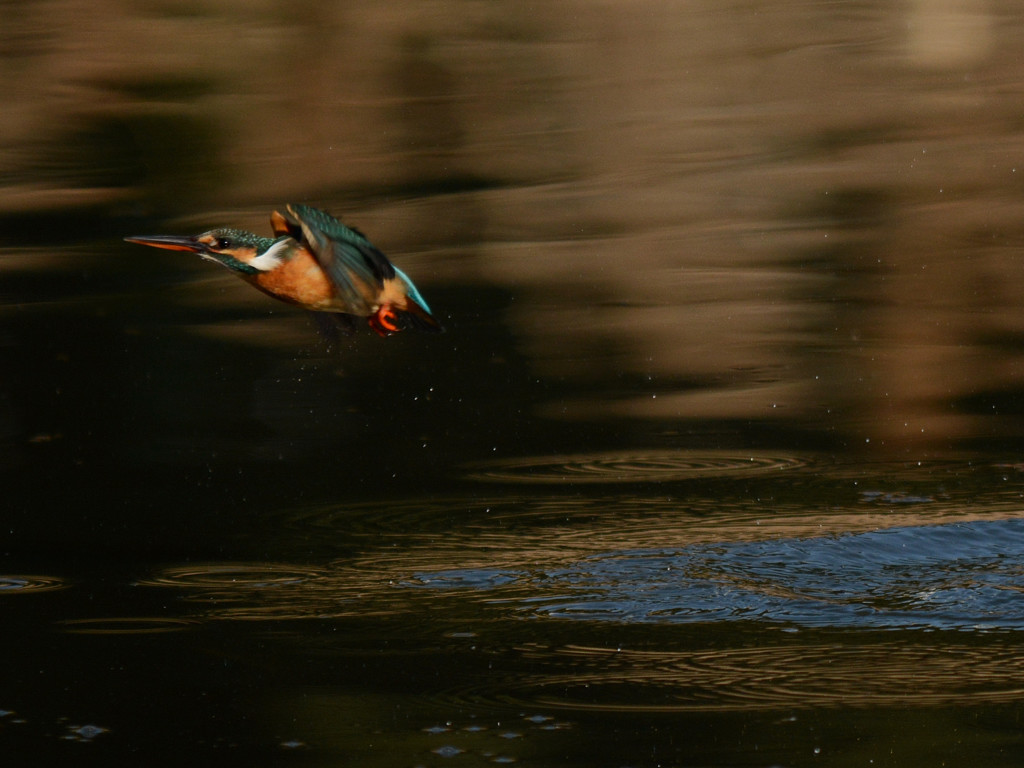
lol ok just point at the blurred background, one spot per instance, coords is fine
(797, 213)
(685, 253)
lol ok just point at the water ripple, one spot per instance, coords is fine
(760, 552)
(274, 591)
(127, 625)
(250, 576)
(633, 467)
(527, 532)
(792, 675)
(21, 584)
(962, 576)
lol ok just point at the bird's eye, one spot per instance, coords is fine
(223, 243)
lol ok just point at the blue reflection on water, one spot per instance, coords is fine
(957, 576)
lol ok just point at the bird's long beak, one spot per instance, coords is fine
(170, 242)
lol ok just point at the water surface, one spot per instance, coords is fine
(717, 464)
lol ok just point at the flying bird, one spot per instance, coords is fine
(315, 262)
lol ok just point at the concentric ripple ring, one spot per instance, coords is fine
(640, 467)
(232, 575)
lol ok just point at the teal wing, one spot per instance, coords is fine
(346, 256)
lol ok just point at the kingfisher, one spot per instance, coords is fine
(315, 262)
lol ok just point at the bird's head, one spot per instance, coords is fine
(237, 249)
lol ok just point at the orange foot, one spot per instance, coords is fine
(385, 321)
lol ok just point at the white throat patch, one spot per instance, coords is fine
(272, 257)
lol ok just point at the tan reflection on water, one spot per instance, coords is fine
(796, 675)
(633, 467)
(562, 531)
(269, 591)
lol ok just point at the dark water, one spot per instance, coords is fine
(717, 464)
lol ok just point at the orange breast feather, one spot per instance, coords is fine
(298, 281)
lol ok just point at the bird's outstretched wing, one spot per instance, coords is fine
(355, 266)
